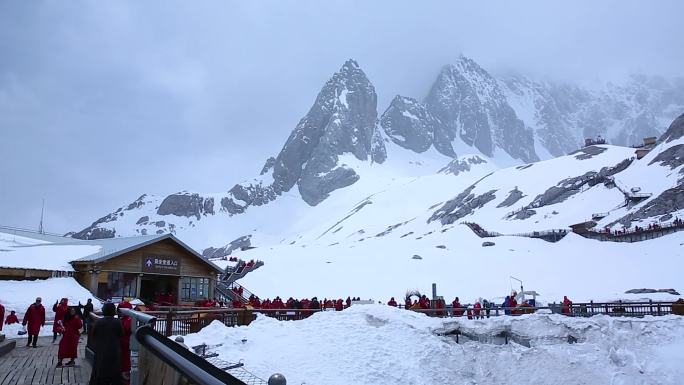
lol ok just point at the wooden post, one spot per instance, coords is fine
(138, 283)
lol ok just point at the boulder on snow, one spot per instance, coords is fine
(416, 256)
(487, 244)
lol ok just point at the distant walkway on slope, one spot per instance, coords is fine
(553, 235)
(637, 234)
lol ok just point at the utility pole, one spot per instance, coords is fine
(40, 226)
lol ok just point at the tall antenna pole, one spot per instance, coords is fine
(40, 226)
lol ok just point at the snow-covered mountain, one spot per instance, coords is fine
(423, 166)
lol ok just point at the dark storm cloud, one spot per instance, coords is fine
(103, 101)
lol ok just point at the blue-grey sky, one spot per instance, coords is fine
(103, 101)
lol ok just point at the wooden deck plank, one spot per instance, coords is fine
(29, 366)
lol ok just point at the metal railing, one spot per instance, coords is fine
(193, 368)
(192, 321)
(584, 309)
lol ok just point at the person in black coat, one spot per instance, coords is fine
(86, 309)
(107, 362)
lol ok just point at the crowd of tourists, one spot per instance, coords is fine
(112, 362)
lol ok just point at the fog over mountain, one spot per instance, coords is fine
(100, 103)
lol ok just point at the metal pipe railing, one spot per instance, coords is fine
(188, 364)
(141, 319)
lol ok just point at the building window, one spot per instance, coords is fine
(118, 285)
(193, 289)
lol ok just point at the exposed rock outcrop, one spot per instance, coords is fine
(186, 205)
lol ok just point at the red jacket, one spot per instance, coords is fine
(125, 344)
(34, 318)
(60, 311)
(458, 311)
(11, 319)
(68, 345)
(566, 306)
(392, 303)
(477, 308)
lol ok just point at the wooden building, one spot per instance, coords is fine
(148, 268)
(154, 268)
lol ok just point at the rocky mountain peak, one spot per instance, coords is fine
(409, 124)
(471, 106)
(674, 131)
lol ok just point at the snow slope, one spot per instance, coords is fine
(383, 267)
(373, 344)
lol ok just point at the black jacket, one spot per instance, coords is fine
(107, 362)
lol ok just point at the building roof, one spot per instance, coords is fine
(53, 252)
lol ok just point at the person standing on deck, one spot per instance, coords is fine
(60, 311)
(107, 361)
(68, 345)
(87, 309)
(35, 319)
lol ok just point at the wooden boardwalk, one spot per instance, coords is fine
(26, 366)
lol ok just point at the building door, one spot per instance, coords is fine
(159, 288)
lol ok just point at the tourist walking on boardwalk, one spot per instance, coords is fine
(68, 345)
(35, 319)
(107, 362)
(60, 310)
(86, 309)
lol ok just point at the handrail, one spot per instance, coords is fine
(188, 364)
(140, 317)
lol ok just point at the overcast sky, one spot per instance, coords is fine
(103, 101)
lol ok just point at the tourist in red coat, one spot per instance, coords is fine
(440, 307)
(392, 302)
(476, 309)
(60, 311)
(35, 319)
(125, 341)
(68, 345)
(12, 318)
(566, 305)
(458, 311)
(2, 314)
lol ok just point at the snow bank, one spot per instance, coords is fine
(18, 295)
(373, 344)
